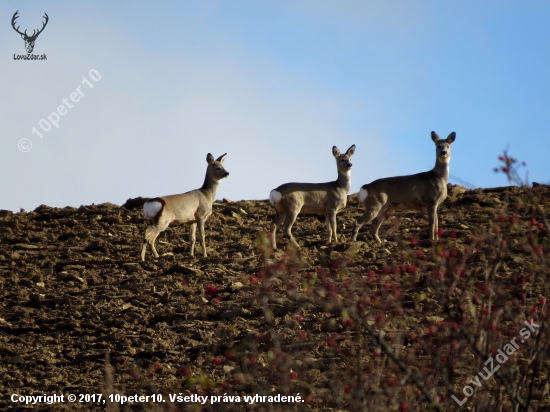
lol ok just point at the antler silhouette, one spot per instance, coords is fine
(29, 40)
(43, 25)
(15, 16)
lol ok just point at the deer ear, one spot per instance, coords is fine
(351, 150)
(221, 158)
(335, 151)
(435, 137)
(209, 158)
(451, 138)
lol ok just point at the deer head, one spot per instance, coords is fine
(29, 40)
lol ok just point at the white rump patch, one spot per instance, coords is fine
(275, 197)
(363, 193)
(150, 209)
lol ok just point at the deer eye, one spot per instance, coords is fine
(218, 168)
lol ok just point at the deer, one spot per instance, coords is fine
(193, 207)
(29, 40)
(327, 199)
(427, 189)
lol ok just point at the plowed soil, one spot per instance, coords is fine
(73, 292)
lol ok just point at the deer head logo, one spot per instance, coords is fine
(29, 40)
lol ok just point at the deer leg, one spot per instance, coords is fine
(365, 218)
(378, 222)
(331, 219)
(151, 234)
(202, 235)
(432, 221)
(329, 228)
(192, 236)
(277, 221)
(289, 221)
(143, 250)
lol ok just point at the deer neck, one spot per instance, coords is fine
(441, 168)
(210, 186)
(344, 180)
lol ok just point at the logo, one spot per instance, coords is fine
(29, 40)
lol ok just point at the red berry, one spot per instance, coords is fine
(453, 234)
(347, 388)
(217, 360)
(299, 318)
(293, 375)
(433, 329)
(533, 222)
(211, 289)
(330, 342)
(303, 334)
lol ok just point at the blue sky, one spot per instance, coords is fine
(275, 84)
